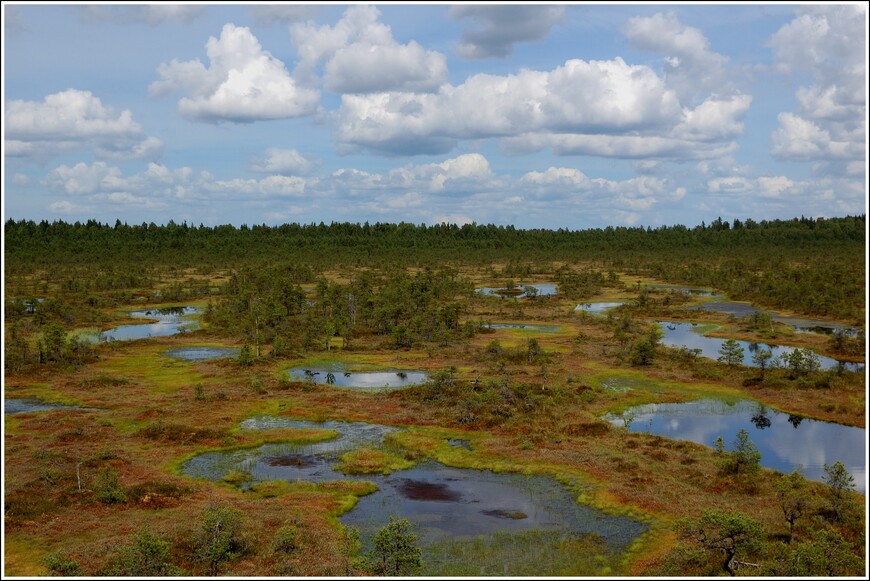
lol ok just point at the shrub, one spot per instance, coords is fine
(61, 565)
(218, 538)
(148, 556)
(840, 484)
(106, 487)
(396, 552)
(285, 540)
(743, 458)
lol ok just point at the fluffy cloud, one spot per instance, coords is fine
(102, 181)
(243, 83)
(690, 66)
(801, 139)
(827, 42)
(500, 27)
(282, 161)
(65, 207)
(602, 104)
(557, 177)
(359, 55)
(150, 14)
(74, 120)
(816, 197)
(463, 174)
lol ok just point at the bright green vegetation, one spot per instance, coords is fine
(98, 491)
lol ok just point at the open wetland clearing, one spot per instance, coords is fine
(323, 414)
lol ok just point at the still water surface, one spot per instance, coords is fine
(786, 442)
(170, 321)
(441, 501)
(363, 380)
(688, 335)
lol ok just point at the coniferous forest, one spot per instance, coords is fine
(265, 400)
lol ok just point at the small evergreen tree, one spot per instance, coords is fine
(396, 552)
(791, 491)
(106, 486)
(743, 458)
(732, 534)
(761, 358)
(246, 356)
(840, 484)
(148, 556)
(219, 537)
(731, 353)
(61, 565)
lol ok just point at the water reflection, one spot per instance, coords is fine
(441, 501)
(701, 292)
(32, 404)
(541, 290)
(202, 353)
(336, 375)
(800, 324)
(523, 326)
(785, 441)
(170, 321)
(688, 335)
(596, 307)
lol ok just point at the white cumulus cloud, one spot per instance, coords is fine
(243, 82)
(284, 162)
(829, 43)
(499, 28)
(690, 65)
(360, 55)
(73, 120)
(580, 98)
(100, 181)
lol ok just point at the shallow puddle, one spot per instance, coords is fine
(700, 292)
(442, 502)
(32, 404)
(202, 353)
(596, 308)
(170, 321)
(786, 442)
(364, 380)
(543, 290)
(688, 335)
(800, 324)
(524, 327)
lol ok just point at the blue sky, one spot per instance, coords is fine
(560, 116)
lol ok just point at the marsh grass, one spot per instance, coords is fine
(151, 425)
(370, 461)
(530, 553)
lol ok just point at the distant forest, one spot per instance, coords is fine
(813, 266)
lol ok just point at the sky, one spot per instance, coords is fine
(539, 116)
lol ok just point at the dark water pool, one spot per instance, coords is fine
(525, 327)
(338, 376)
(202, 353)
(596, 307)
(32, 404)
(688, 335)
(800, 324)
(786, 442)
(701, 292)
(170, 321)
(441, 501)
(544, 290)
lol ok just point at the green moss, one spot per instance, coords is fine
(271, 488)
(236, 477)
(369, 461)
